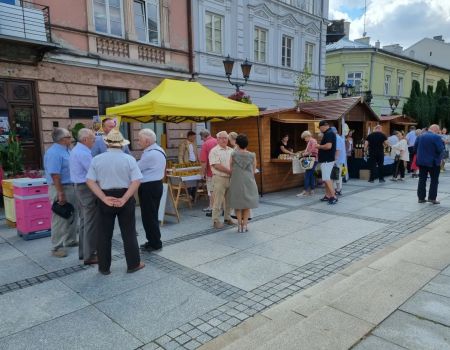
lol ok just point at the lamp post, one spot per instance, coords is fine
(246, 67)
(393, 102)
(346, 90)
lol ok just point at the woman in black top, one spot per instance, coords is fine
(282, 146)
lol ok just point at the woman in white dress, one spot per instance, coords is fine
(401, 156)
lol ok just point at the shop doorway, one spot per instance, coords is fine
(18, 113)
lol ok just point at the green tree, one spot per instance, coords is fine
(410, 107)
(442, 99)
(302, 81)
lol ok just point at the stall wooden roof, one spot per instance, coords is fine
(399, 119)
(325, 109)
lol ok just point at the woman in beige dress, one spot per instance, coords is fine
(243, 190)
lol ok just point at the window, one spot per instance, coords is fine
(108, 17)
(355, 79)
(387, 84)
(146, 20)
(213, 30)
(260, 45)
(309, 54)
(400, 86)
(110, 98)
(286, 51)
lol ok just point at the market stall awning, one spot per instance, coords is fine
(178, 101)
(399, 119)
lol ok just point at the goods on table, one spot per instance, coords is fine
(285, 156)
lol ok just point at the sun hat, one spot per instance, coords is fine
(115, 138)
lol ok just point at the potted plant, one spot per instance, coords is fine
(11, 155)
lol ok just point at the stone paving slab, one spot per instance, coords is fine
(8, 252)
(28, 307)
(375, 343)
(237, 240)
(18, 268)
(328, 328)
(245, 270)
(291, 251)
(95, 287)
(412, 332)
(439, 285)
(386, 290)
(84, 329)
(196, 252)
(429, 306)
(159, 307)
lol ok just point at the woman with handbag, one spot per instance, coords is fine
(401, 155)
(311, 152)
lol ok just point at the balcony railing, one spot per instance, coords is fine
(27, 21)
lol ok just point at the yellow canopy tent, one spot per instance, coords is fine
(177, 101)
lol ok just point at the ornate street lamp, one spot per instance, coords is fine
(246, 67)
(346, 90)
(393, 102)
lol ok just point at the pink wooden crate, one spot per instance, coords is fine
(32, 208)
(30, 187)
(34, 224)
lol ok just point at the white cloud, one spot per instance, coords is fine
(396, 21)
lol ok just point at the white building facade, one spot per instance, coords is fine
(279, 37)
(434, 51)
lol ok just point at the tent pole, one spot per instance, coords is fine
(260, 158)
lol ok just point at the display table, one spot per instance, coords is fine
(356, 164)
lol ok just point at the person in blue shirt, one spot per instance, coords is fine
(99, 147)
(429, 150)
(56, 165)
(80, 160)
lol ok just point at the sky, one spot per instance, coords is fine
(403, 22)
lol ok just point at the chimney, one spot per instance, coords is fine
(438, 38)
(365, 40)
(377, 44)
(347, 30)
(394, 48)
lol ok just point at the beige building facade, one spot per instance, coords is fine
(75, 61)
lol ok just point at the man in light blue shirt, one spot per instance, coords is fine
(153, 166)
(56, 165)
(80, 160)
(411, 138)
(99, 147)
(341, 159)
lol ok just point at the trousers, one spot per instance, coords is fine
(310, 181)
(64, 231)
(149, 197)
(127, 224)
(88, 228)
(375, 160)
(221, 184)
(434, 181)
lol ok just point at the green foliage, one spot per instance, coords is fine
(77, 127)
(11, 155)
(302, 81)
(430, 107)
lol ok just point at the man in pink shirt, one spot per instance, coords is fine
(209, 143)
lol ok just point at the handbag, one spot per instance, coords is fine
(307, 163)
(335, 173)
(65, 210)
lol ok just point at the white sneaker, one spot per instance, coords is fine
(301, 194)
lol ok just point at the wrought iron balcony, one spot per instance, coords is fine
(28, 21)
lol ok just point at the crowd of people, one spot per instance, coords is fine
(98, 179)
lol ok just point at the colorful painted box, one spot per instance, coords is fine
(34, 224)
(30, 187)
(10, 210)
(32, 207)
(7, 186)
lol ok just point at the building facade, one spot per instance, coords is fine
(66, 61)
(383, 72)
(279, 37)
(434, 51)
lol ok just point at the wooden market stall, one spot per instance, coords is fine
(266, 130)
(391, 123)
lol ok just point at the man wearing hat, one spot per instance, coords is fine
(327, 154)
(99, 147)
(114, 177)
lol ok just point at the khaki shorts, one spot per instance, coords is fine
(326, 170)
(209, 185)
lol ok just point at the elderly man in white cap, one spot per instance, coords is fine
(114, 177)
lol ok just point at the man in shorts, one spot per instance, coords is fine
(327, 154)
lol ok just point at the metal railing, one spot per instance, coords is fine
(26, 20)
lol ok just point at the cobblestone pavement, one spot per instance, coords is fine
(204, 281)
